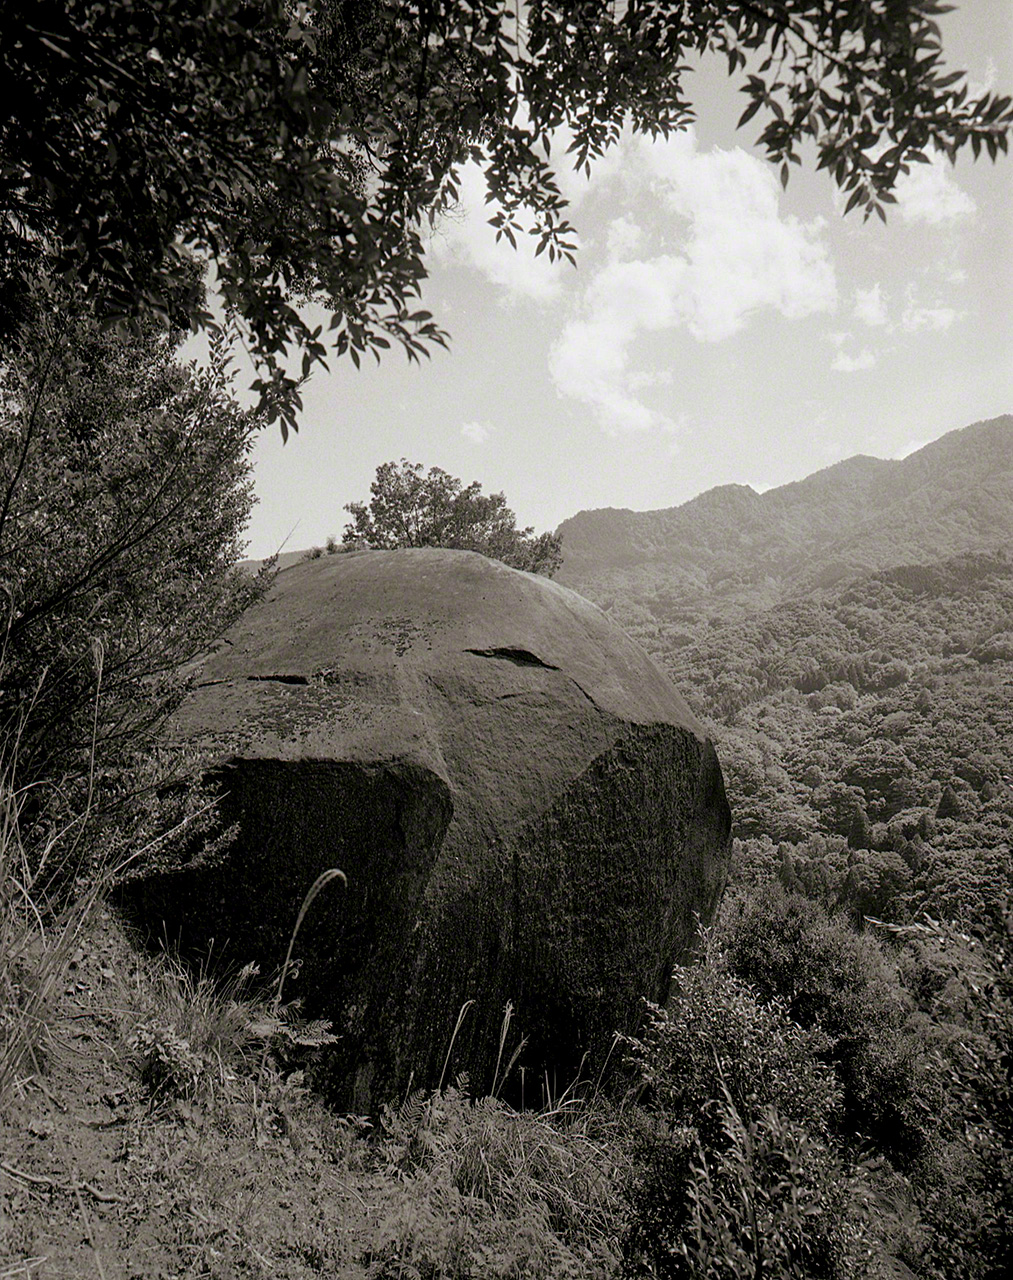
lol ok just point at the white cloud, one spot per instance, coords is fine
(650, 378)
(623, 237)
(933, 318)
(844, 363)
(870, 306)
(977, 88)
(741, 255)
(476, 432)
(737, 257)
(590, 363)
(929, 194)
(912, 446)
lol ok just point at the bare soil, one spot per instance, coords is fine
(100, 1179)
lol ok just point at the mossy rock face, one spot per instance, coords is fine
(525, 808)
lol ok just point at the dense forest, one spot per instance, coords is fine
(864, 726)
(848, 642)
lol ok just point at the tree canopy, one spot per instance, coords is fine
(410, 509)
(299, 148)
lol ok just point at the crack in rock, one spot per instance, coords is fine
(281, 679)
(585, 693)
(520, 657)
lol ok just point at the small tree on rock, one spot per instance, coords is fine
(412, 509)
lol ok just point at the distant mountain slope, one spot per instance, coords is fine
(732, 550)
(879, 715)
(848, 641)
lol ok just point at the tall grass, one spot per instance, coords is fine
(472, 1187)
(36, 944)
(37, 938)
(39, 929)
(201, 1029)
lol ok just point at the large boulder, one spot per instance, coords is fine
(524, 807)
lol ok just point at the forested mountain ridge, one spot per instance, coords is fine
(732, 550)
(880, 719)
(848, 640)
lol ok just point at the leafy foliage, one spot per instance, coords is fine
(963, 993)
(124, 488)
(737, 1169)
(300, 147)
(839, 983)
(846, 641)
(410, 509)
(768, 1200)
(199, 1031)
(716, 1040)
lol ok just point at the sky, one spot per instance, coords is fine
(716, 330)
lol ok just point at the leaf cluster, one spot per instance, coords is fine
(840, 984)
(300, 149)
(738, 1168)
(124, 490)
(867, 85)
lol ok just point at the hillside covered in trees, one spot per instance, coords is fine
(731, 551)
(849, 641)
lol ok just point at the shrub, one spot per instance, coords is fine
(200, 1032)
(196, 1031)
(35, 945)
(841, 984)
(124, 489)
(738, 1106)
(964, 992)
(410, 509)
(771, 1200)
(715, 1037)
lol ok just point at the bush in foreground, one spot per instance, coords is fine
(738, 1176)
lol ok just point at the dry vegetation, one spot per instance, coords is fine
(146, 1134)
(157, 1123)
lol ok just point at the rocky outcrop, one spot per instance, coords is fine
(523, 805)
